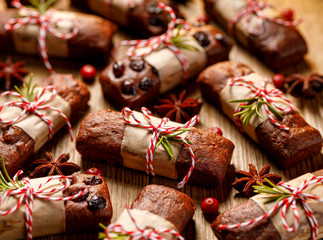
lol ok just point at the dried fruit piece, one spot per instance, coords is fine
(210, 205)
(128, 88)
(118, 69)
(96, 203)
(145, 84)
(93, 180)
(94, 171)
(279, 81)
(216, 130)
(88, 73)
(202, 39)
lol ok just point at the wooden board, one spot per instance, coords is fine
(125, 184)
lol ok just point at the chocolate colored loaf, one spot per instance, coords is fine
(144, 18)
(16, 146)
(276, 45)
(287, 148)
(133, 82)
(248, 210)
(170, 204)
(93, 38)
(86, 212)
(101, 134)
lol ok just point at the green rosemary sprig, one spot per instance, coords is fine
(276, 193)
(114, 235)
(6, 183)
(252, 107)
(42, 6)
(28, 90)
(164, 140)
(181, 41)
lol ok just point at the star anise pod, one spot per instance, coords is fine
(179, 109)
(12, 73)
(246, 180)
(304, 86)
(49, 166)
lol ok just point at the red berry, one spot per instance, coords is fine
(88, 73)
(210, 205)
(215, 129)
(288, 14)
(279, 81)
(94, 171)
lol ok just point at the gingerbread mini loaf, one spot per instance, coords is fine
(20, 140)
(134, 81)
(271, 227)
(87, 197)
(283, 133)
(106, 136)
(142, 17)
(258, 27)
(155, 209)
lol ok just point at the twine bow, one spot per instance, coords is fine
(254, 8)
(45, 21)
(34, 107)
(297, 194)
(155, 42)
(147, 233)
(157, 130)
(265, 95)
(27, 194)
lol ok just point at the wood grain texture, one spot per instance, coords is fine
(125, 184)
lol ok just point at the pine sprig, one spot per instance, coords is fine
(28, 91)
(41, 6)
(164, 140)
(252, 107)
(6, 183)
(277, 194)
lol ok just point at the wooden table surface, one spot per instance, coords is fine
(125, 184)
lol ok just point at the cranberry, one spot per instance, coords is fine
(128, 88)
(279, 81)
(145, 84)
(154, 21)
(137, 65)
(154, 9)
(93, 180)
(210, 205)
(118, 69)
(88, 73)
(96, 203)
(288, 14)
(222, 40)
(202, 39)
(216, 130)
(81, 198)
(94, 171)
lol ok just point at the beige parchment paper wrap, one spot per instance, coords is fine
(116, 10)
(33, 125)
(170, 69)
(135, 144)
(304, 231)
(48, 215)
(229, 9)
(237, 92)
(25, 38)
(144, 219)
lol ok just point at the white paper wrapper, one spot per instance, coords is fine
(135, 144)
(237, 92)
(229, 9)
(33, 125)
(116, 10)
(26, 37)
(170, 69)
(146, 219)
(48, 216)
(304, 231)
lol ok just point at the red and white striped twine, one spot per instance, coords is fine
(155, 42)
(157, 130)
(45, 21)
(253, 8)
(296, 194)
(147, 233)
(34, 107)
(27, 194)
(266, 95)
